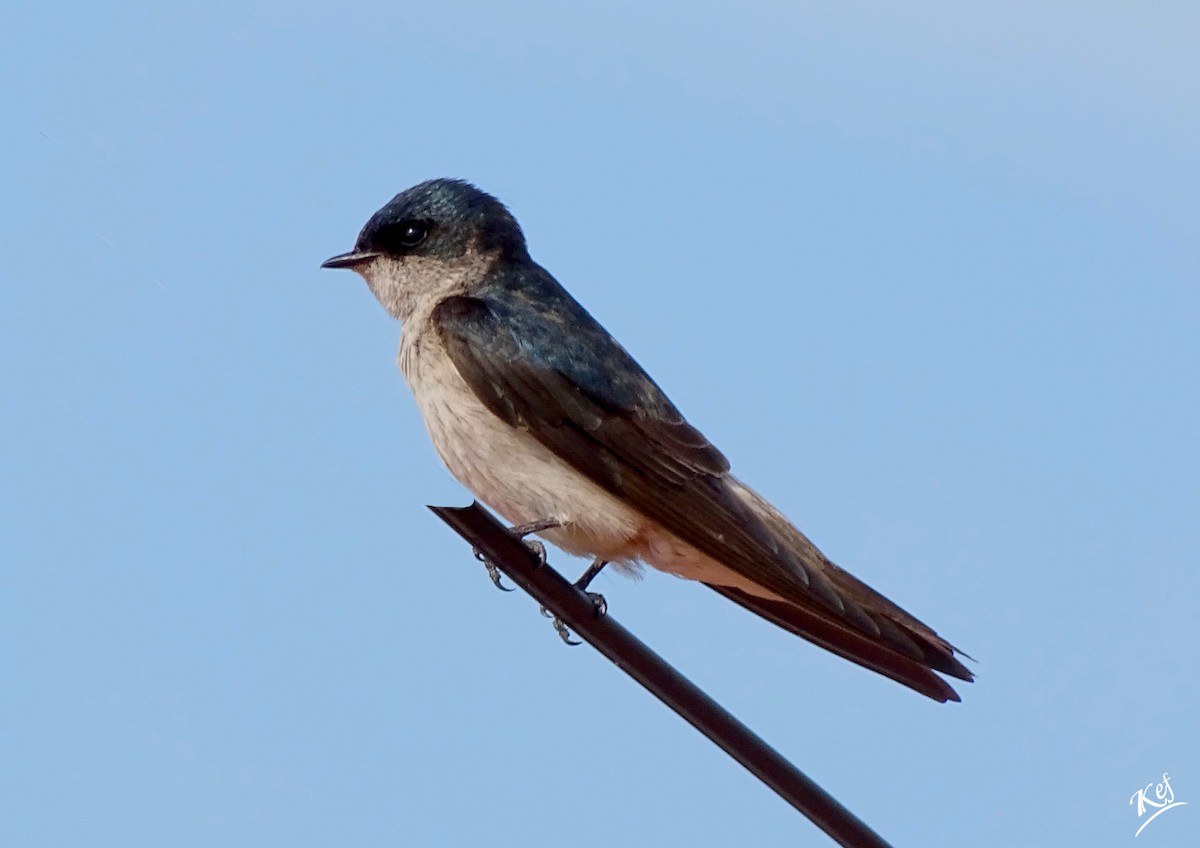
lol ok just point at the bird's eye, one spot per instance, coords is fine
(410, 235)
(397, 237)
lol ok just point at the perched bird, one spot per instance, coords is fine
(535, 408)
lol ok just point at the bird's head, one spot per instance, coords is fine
(429, 242)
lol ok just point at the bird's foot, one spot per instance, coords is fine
(537, 549)
(519, 532)
(560, 627)
(492, 570)
(599, 604)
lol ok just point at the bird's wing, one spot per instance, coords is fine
(565, 381)
(638, 447)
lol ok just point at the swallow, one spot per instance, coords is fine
(532, 405)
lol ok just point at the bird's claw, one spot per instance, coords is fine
(492, 570)
(537, 549)
(563, 632)
(599, 604)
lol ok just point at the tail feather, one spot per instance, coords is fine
(863, 626)
(821, 628)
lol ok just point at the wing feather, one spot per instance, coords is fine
(629, 439)
(659, 463)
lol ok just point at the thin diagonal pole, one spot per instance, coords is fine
(555, 593)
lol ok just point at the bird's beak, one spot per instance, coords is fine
(350, 260)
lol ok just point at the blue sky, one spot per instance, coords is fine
(928, 275)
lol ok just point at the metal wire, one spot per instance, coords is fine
(556, 594)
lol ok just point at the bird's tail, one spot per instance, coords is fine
(872, 631)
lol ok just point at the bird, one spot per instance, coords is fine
(533, 406)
